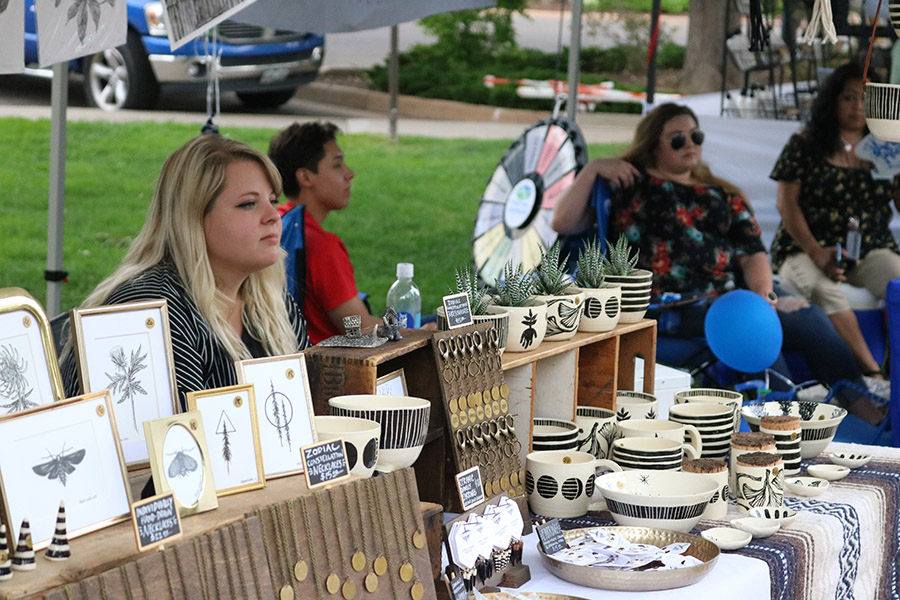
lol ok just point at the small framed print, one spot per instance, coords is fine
(284, 410)
(67, 451)
(232, 434)
(179, 461)
(392, 384)
(29, 371)
(127, 349)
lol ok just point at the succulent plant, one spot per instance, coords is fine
(516, 288)
(589, 273)
(467, 283)
(620, 262)
(551, 278)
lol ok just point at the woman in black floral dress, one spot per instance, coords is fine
(822, 184)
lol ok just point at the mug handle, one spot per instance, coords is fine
(601, 462)
(694, 435)
(690, 451)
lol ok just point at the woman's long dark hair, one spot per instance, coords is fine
(821, 130)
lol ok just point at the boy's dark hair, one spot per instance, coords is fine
(300, 146)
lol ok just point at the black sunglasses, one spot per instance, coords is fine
(679, 139)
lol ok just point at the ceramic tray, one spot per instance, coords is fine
(639, 581)
(531, 596)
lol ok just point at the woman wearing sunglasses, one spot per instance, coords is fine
(697, 234)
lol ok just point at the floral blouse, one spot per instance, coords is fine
(829, 196)
(688, 235)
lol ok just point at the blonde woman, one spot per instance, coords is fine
(210, 248)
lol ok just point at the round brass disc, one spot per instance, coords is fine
(286, 593)
(419, 539)
(514, 479)
(472, 415)
(473, 399)
(504, 483)
(495, 392)
(358, 561)
(495, 406)
(371, 582)
(454, 421)
(496, 485)
(479, 412)
(453, 405)
(407, 572)
(301, 570)
(487, 488)
(504, 406)
(520, 491)
(333, 584)
(462, 403)
(478, 399)
(504, 391)
(348, 590)
(488, 411)
(379, 565)
(463, 418)
(486, 396)
(521, 476)
(417, 591)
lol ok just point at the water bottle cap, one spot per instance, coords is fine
(404, 270)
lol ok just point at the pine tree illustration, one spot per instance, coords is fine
(287, 429)
(226, 447)
(276, 413)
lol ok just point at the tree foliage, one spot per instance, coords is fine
(467, 34)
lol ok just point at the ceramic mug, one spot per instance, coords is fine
(669, 430)
(744, 442)
(758, 480)
(636, 405)
(651, 453)
(727, 397)
(715, 422)
(598, 428)
(559, 483)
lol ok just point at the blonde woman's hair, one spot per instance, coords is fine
(189, 183)
(643, 149)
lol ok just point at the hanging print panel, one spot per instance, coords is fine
(12, 34)
(188, 19)
(70, 29)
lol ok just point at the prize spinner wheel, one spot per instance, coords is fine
(514, 215)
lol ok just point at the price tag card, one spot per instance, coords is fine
(325, 462)
(551, 537)
(458, 311)
(155, 521)
(470, 488)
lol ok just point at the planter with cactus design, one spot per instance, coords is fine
(527, 326)
(602, 308)
(635, 294)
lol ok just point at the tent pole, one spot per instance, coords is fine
(57, 192)
(651, 63)
(393, 82)
(574, 54)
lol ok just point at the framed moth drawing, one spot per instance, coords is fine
(126, 348)
(284, 410)
(232, 434)
(179, 461)
(29, 372)
(66, 452)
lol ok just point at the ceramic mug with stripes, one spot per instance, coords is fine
(716, 396)
(560, 483)
(715, 422)
(655, 454)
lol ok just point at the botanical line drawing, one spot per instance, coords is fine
(280, 413)
(13, 384)
(225, 427)
(529, 333)
(80, 8)
(124, 380)
(182, 464)
(769, 493)
(61, 465)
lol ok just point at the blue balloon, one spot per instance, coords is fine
(743, 331)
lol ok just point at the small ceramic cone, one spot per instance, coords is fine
(23, 559)
(59, 545)
(5, 562)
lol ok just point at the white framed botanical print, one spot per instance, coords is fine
(67, 451)
(127, 349)
(283, 408)
(29, 371)
(232, 436)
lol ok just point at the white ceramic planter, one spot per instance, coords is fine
(497, 316)
(563, 314)
(882, 108)
(635, 294)
(527, 326)
(602, 308)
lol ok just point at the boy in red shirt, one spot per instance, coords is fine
(315, 176)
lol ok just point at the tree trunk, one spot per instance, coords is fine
(706, 37)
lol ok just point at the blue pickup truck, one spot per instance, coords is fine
(263, 65)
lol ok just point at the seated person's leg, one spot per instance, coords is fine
(875, 271)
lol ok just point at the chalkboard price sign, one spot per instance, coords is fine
(551, 536)
(471, 491)
(155, 521)
(458, 311)
(325, 462)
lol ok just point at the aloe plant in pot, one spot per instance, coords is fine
(527, 316)
(565, 302)
(620, 268)
(465, 282)
(603, 300)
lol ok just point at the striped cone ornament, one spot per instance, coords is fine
(23, 559)
(59, 545)
(5, 569)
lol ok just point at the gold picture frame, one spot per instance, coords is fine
(230, 413)
(58, 452)
(128, 349)
(27, 354)
(392, 384)
(179, 461)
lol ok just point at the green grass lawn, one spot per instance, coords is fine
(413, 201)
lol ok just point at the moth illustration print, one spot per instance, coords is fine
(14, 384)
(182, 464)
(279, 414)
(124, 383)
(60, 466)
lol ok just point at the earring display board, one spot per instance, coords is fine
(363, 539)
(481, 429)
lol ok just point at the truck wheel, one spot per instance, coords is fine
(266, 99)
(120, 77)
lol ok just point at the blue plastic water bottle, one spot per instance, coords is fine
(404, 296)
